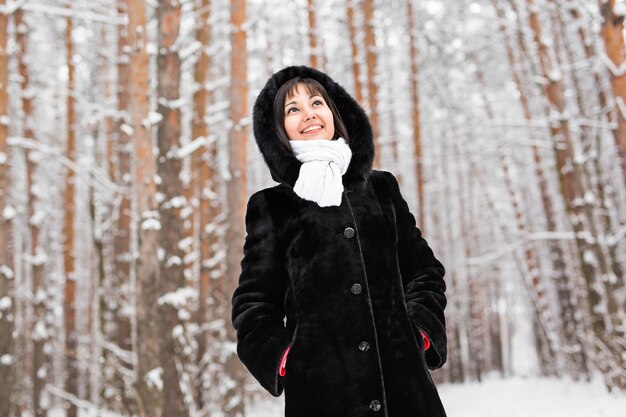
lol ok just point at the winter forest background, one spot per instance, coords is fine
(127, 158)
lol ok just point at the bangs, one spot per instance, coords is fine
(311, 86)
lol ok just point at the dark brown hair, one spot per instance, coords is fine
(313, 87)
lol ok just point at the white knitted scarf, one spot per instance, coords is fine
(323, 164)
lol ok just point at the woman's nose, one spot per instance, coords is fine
(308, 113)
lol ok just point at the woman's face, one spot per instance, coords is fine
(307, 116)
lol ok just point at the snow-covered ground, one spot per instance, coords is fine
(516, 397)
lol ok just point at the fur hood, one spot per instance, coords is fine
(282, 163)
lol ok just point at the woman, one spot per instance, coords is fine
(334, 248)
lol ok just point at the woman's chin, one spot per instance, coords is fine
(313, 138)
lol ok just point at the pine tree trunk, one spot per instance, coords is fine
(372, 87)
(7, 278)
(607, 194)
(233, 404)
(123, 260)
(149, 374)
(312, 33)
(39, 366)
(206, 192)
(169, 168)
(613, 37)
(69, 312)
(415, 117)
(356, 70)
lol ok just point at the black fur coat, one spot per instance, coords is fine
(356, 283)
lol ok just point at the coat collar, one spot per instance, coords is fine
(281, 161)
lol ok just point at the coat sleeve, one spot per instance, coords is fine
(422, 279)
(258, 301)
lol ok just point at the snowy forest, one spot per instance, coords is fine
(127, 159)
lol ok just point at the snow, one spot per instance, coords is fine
(152, 119)
(191, 147)
(9, 212)
(6, 359)
(185, 243)
(151, 48)
(519, 397)
(5, 303)
(515, 397)
(177, 202)
(127, 129)
(173, 260)
(151, 224)
(6, 272)
(178, 298)
(154, 378)
(39, 332)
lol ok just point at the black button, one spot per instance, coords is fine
(348, 232)
(364, 346)
(375, 405)
(356, 288)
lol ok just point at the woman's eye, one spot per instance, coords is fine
(318, 102)
(290, 109)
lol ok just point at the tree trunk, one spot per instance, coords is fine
(312, 34)
(415, 117)
(607, 194)
(206, 191)
(372, 88)
(356, 71)
(40, 358)
(123, 261)
(613, 37)
(170, 187)
(237, 196)
(7, 278)
(69, 312)
(149, 378)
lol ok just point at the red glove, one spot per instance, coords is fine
(282, 371)
(426, 340)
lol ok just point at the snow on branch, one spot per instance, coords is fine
(191, 147)
(616, 72)
(179, 298)
(154, 378)
(85, 15)
(92, 408)
(98, 176)
(125, 356)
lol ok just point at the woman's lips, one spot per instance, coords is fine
(319, 127)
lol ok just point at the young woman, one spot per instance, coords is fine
(335, 249)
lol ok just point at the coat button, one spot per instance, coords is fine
(356, 288)
(364, 346)
(348, 232)
(375, 405)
